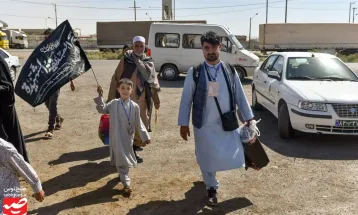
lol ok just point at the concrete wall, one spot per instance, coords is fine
(308, 33)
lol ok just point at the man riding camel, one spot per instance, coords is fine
(139, 68)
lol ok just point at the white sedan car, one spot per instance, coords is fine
(308, 92)
(12, 62)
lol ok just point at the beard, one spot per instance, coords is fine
(211, 57)
(139, 54)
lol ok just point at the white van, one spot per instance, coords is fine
(177, 47)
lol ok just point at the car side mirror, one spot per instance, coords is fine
(233, 49)
(274, 75)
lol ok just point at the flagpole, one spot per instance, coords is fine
(94, 76)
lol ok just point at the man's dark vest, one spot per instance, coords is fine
(201, 90)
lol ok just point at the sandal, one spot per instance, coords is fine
(127, 192)
(59, 121)
(49, 133)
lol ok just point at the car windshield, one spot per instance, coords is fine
(318, 68)
(3, 37)
(236, 42)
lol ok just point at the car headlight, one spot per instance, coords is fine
(256, 63)
(314, 106)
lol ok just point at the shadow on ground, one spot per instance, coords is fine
(78, 176)
(246, 81)
(29, 137)
(34, 134)
(90, 155)
(101, 195)
(193, 203)
(304, 145)
(179, 83)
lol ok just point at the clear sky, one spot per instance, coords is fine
(235, 14)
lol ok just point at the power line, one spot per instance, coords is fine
(188, 8)
(224, 12)
(34, 17)
(301, 8)
(113, 8)
(89, 1)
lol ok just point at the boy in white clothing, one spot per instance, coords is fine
(124, 120)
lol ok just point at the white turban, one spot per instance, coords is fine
(139, 39)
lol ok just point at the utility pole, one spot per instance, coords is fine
(354, 13)
(286, 12)
(350, 11)
(266, 11)
(250, 31)
(248, 48)
(135, 11)
(56, 14)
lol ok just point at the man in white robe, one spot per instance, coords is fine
(215, 149)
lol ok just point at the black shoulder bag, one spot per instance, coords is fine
(229, 120)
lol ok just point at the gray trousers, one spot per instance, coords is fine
(124, 175)
(51, 105)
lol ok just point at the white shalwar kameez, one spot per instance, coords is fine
(215, 149)
(121, 133)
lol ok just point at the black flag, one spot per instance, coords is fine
(55, 62)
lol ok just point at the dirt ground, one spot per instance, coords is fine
(310, 174)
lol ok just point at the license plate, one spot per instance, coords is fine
(347, 123)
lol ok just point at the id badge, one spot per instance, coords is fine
(213, 89)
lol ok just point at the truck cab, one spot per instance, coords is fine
(176, 47)
(4, 42)
(17, 39)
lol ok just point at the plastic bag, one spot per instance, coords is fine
(103, 129)
(249, 133)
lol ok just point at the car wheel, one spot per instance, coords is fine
(285, 129)
(13, 73)
(170, 72)
(241, 73)
(255, 104)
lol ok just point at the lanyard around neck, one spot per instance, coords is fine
(125, 111)
(216, 71)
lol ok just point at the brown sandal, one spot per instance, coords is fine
(59, 121)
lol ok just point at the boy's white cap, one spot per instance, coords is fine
(138, 39)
